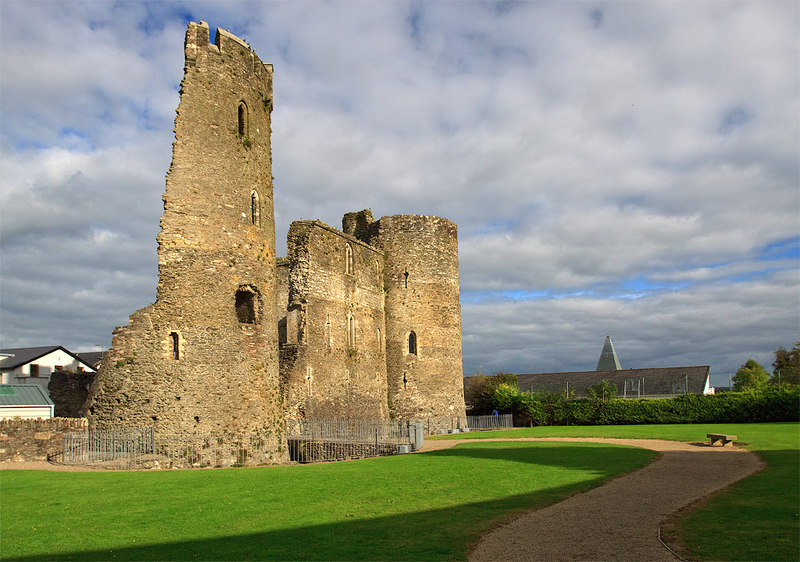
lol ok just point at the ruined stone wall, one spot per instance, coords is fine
(422, 298)
(236, 341)
(333, 359)
(204, 357)
(68, 391)
(35, 440)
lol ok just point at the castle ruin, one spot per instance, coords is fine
(360, 323)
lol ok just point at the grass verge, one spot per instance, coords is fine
(427, 506)
(755, 519)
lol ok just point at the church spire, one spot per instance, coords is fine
(608, 358)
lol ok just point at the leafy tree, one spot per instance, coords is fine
(602, 391)
(505, 397)
(786, 367)
(750, 376)
(481, 388)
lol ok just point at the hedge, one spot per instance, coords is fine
(771, 405)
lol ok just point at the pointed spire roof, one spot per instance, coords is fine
(608, 357)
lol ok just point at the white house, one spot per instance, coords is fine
(24, 401)
(34, 365)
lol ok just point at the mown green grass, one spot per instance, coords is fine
(424, 507)
(755, 519)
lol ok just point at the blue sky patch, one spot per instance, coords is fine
(734, 119)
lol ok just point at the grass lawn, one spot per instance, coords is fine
(426, 506)
(756, 519)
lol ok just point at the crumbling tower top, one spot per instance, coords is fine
(225, 43)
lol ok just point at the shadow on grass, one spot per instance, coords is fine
(430, 534)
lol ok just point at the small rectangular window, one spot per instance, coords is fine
(34, 370)
(246, 305)
(176, 354)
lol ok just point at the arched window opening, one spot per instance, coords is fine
(255, 208)
(405, 279)
(351, 332)
(412, 343)
(242, 119)
(380, 340)
(246, 305)
(348, 259)
(176, 351)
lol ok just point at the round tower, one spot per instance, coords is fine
(423, 319)
(204, 357)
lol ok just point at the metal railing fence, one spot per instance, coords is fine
(323, 440)
(490, 422)
(355, 431)
(308, 441)
(137, 448)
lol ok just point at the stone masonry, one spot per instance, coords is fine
(373, 323)
(359, 323)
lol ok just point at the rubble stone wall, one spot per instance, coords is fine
(422, 304)
(237, 341)
(204, 357)
(34, 440)
(68, 391)
(334, 360)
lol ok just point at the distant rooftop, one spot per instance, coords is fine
(23, 395)
(608, 357)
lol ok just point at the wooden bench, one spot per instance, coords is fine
(721, 437)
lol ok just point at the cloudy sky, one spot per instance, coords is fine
(622, 168)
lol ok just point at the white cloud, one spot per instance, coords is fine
(586, 151)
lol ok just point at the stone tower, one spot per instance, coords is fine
(204, 357)
(423, 316)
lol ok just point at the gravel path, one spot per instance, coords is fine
(621, 519)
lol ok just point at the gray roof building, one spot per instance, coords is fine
(21, 355)
(631, 383)
(24, 401)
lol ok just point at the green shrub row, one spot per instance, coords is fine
(772, 405)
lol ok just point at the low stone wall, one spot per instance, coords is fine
(34, 440)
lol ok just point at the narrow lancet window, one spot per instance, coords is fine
(255, 208)
(351, 332)
(242, 119)
(412, 343)
(175, 340)
(348, 259)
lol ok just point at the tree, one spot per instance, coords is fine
(750, 376)
(482, 387)
(505, 397)
(786, 367)
(602, 391)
